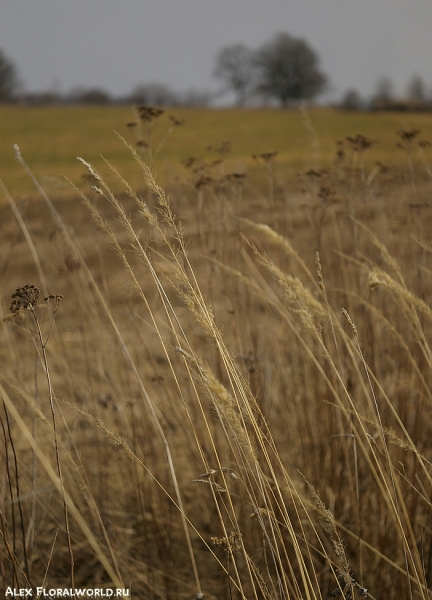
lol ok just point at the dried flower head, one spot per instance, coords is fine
(383, 168)
(147, 114)
(231, 543)
(55, 297)
(316, 173)
(407, 135)
(236, 177)
(189, 161)
(223, 147)
(328, 195)
(176, 122)
(203, 182)
(359, 142)
(266, 156)
(24, 298)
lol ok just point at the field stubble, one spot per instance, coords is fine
(225, 428)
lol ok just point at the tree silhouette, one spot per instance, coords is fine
(289, 70)
(235, 66)
(8, 78)
(384, 90)
(416, 90)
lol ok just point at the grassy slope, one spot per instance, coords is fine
(51, 138)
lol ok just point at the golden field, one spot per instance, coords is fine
(231, 399)
(51, 138)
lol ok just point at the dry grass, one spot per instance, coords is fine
(240, 378)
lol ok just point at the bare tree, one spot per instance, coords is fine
(352, 100)
(384, 95)
(289, 70)
(236, 67)
(8, 77)
(416, 90)
(384, 90)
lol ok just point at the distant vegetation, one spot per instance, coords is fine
(416, 99)
(284, 71)
(8, 78)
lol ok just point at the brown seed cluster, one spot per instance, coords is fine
(359, 142)
(147, 114)
(266, 156)
(409, 139)
(24, 298)
(236, 177)
(316, 173)
(223, 147)
(232, 543)
(407, 135)
(56, 297)
(328, 195)
(176, 122)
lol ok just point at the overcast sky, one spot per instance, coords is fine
(117, 44)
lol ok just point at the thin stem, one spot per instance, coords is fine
(57, 454)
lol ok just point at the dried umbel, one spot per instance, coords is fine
(409, 139)
(266, 156)
(232, 543)
(176, 122)
(204, 182)
(359, 142)
(236, 177)
(221, 148)
(53, 300)
(328, 195)
(24, 298)
(147, 114)
(407, 135)
(316, 173)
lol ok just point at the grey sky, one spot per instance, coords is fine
(116, 44)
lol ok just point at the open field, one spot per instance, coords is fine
(222, 428)
(51, 139)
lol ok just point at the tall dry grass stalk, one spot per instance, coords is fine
(223, 426)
